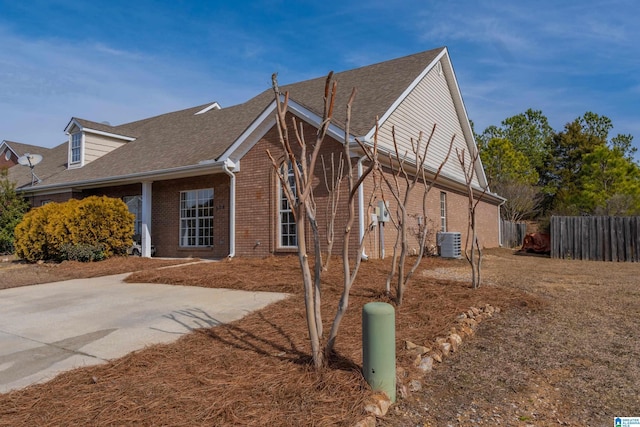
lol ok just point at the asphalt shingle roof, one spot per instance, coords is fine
(183, 138)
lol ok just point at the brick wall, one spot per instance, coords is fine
(456, 210)
(257, 198)
(165, 225)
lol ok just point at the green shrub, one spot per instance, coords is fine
(81, 252)
(12, 209)
(98, 226)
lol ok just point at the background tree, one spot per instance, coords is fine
(579, 170)
(589, 168)
(12, 209)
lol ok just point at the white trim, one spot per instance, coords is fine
(464, 123)
(158, 175)
(228, 167)
(197, 218)
(80, 163)
(312, 118)
(146, 214)
(74, 122)
(279, 212)
(361, 222)
(254, 131)
(260, 126)
(406, 93)
(214, 106)
(109, 134)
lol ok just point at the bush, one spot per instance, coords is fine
(12, 209)
(81, 252)
(95, 227)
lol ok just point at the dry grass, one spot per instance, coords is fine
(571, 361)
(564, 351)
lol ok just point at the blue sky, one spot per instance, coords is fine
(121, 61)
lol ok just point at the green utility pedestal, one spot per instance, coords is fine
(379, 347)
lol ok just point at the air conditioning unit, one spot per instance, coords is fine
(449, 244)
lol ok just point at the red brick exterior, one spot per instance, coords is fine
(257, 201)
(257, 198)
(456, 217)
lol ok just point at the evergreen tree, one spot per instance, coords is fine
(12, 208)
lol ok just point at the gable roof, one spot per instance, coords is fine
(20, 149)
(184, 140)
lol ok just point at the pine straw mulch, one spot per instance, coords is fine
(15, 272)
(255, 371)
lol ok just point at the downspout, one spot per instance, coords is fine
(232, 206)
(364, 256)
(500, 223)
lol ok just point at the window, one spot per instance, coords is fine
(7, 155)
(286, 223)
(196, 218)
(134, 203)
(443, 211)
(76, 146)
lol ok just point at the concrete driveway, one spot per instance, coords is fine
(50, 328)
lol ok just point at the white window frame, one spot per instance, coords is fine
(288, 239)
(443, 211)
(196, 219)
(75, 147)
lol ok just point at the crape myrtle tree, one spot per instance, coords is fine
(296, 176)
(401, 184)
(472, 247)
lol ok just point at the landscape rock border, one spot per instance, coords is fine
(411, 380)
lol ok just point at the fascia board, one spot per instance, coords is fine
(72, 122)
(109, 134)
(266, 121)
(464, 121)
(157, 175)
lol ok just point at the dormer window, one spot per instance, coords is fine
(76, 147)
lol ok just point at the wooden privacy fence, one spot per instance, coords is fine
(596, 238)
(512, 233)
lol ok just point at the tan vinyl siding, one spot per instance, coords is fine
(96, 146)
(428, 103)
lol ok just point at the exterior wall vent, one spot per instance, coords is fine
(449, 244)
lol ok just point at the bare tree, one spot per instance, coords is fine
(475, 260)
(333, 185)
(349, 273)
(299, 194)
(402, 195)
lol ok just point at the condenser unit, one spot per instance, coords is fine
(449, 244)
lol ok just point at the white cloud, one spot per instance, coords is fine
(43, 83)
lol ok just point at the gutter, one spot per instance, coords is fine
(500, 222)
(363, 255)
(179, 172)
(232, 206)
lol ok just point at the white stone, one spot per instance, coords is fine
(445, 347)
(415, 385)
(426, 365)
